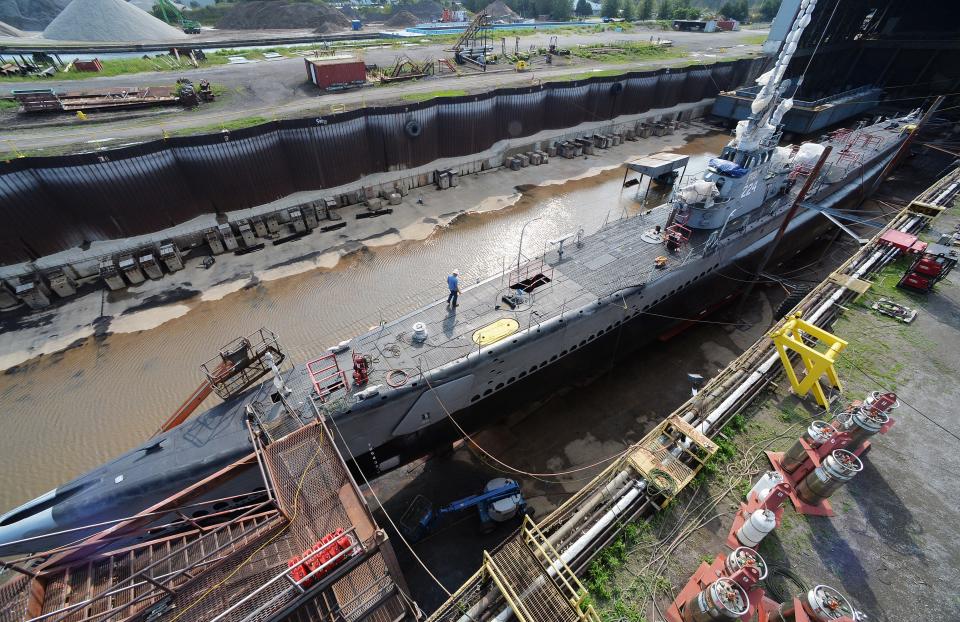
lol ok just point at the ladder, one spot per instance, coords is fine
(327, 377)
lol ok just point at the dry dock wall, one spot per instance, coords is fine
(51, 204)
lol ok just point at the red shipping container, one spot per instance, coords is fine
(334, 71)
(88, 65)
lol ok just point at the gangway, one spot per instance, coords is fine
(239, 364)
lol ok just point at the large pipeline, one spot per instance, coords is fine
(882, 255)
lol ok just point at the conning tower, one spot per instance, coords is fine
(751, 169)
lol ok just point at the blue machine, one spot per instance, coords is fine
(500, 501)
(356, 24)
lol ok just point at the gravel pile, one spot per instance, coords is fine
(425, 11)
(108, 20)
(30, 14)
(262, 14)
(403, 19)
(499, 10)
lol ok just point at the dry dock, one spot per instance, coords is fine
(891, 546)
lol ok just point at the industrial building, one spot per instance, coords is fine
(910, 48)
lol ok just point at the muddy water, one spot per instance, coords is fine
(68, 412)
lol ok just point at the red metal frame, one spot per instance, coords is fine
(843, 136)
(747, 577)
(926, 271)
(854, 158)
(799, 613)
(326, 375)
(678, 233)
(799, 170)
(870, 140)
(815, 455)
(323, 551)
(361, 369)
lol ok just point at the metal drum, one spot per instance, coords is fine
(720, 601)
(865, 423)
(836, 470)
(817, 433)
(742, 557)
(764, 484)
(821, 604)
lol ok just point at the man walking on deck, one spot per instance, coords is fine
(454, 284)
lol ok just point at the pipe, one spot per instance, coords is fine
(627, 495)
(614, 484)
(636, 489)
(883, 255)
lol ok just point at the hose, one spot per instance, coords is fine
(774, 590)
(397, 383)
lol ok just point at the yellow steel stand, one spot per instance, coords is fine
(790, 337)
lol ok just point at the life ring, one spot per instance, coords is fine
(412, 128)
(616, 88)
(397, 383)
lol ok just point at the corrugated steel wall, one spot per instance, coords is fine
(51, 204)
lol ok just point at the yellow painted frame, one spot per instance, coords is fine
(790, 337)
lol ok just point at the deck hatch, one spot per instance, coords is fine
(494, 332)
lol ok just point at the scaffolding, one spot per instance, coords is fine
(242, 362)
(475, 43)
(528, 573)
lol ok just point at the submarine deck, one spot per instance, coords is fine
(605, 262)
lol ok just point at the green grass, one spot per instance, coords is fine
(121, 66)
(8, 104)
(419, 97)
(234, 124)
(626, 51)
(600, 73)
(753, 40)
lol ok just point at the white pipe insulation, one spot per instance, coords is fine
(882, 254)
(635, 489)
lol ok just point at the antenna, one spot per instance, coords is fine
(768, 107)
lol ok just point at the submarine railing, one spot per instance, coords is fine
(723, 397)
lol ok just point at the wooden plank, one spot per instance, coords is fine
(692, 433)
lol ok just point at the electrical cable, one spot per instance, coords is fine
(389, 518)
(774, 590)
(508, 466)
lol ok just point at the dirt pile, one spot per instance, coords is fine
(30, 14)
(403, 19)
(263, 14)
(499, 10)
(108, 20)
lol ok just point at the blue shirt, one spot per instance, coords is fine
(452, 283)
